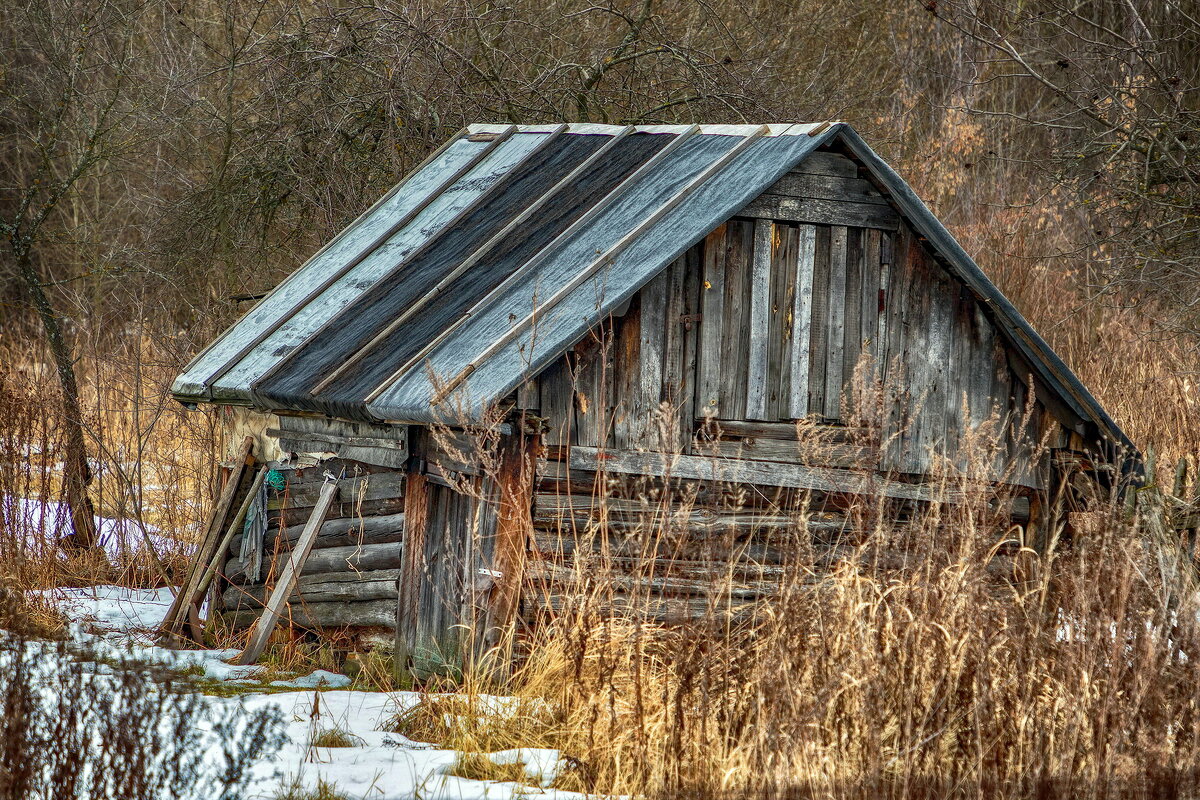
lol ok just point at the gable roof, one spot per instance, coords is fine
(507, 245)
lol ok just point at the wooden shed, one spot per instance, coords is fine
(582, 304)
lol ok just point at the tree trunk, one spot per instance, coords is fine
(76, 472)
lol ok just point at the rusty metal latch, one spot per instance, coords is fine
(689, 319)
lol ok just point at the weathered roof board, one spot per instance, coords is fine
(506, 246)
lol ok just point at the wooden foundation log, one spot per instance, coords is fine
(371, 614)
(336, 533)
(325, 587)
(366, 558)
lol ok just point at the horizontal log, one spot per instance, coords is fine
(335, 533)
(333, 559)
(648, 609)
(561, 546)
(344, 587)
(827, 187)
(823, 162)
(349, 510)
(363, 454)
(716, 584)
(817, 454)
(378, 486)
(815, 211)
(325, 438)
(799, 476)
(371, 614)
(697, 518)
(784, 431)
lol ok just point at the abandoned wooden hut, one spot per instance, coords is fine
(577, 303)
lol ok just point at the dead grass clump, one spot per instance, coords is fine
(324, 790)
(29, 614)
(926, 673)
(335, 737)
(478, 767)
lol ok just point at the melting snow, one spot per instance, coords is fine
(117, 621)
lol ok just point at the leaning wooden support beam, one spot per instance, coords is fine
(218, 557)
(287, 579)
(178, 612)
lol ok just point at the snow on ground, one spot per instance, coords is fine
(44, 522)
(114, 621)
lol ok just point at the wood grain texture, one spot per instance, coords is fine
(835, 324)
(712, 325)
(758, 322)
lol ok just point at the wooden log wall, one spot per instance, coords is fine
(834, 311)
(349, 578)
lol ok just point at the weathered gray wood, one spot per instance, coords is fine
(822, 212)
(652, 332)
(598, 265)
(827, 187)
(759, 473)
(869, 312)
(528, 398)
(758, 321)
(177, 613)
(824, 162)
(685, 399)
(300, 614)
(648, 608)
(812, 453)
(287, 579)
(218, 556)
(360, 558)
(819, 324)
(593, 396)
(712, 310)
(372, 228)
(395, 436)
(336, 533)
(376, 486)
(735, 334)
(547, 575)
(789, 432)
(289, 517)
(836, 322)
(783, 289)
(367, 454)
(556, 400)
(319, 308)
(629, 421)
(323, 587)
(801, 319)
(852, 316)
(533, 270)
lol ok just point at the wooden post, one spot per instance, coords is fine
(287, 579)
(514, 525)
(416, 518)
(177, 613)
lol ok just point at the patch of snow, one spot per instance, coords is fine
(541, 765)
(117, 622)
(319, 678)
(41, 523)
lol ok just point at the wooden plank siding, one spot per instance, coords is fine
(770, 320)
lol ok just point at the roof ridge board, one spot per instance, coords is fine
(538, 257)
(408, 258)
(198, 358)
(472, 259)
(720, 129)
(419, 411)
(1031, 344)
